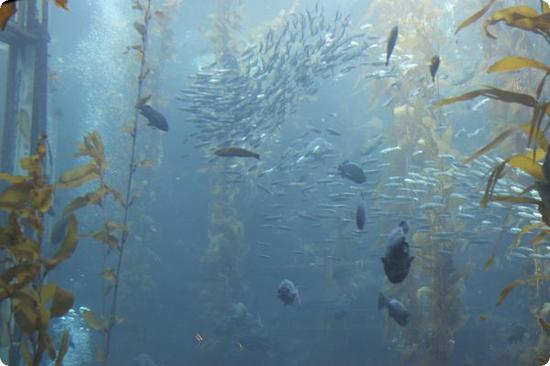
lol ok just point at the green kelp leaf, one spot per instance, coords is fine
(67, 247)
(63, 348)
(475, 16)
(513, 63)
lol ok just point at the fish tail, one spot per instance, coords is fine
(382, 301)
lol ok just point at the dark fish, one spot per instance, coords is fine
(155, 118)
(288, 293)
(396, 309)
(360, 215)
(392, 40)
(434, 66)
(397, 260)
(352, 171)
(236, 152)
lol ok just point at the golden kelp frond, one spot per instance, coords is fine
(528, 163)
(495, 142)
(62, 4)
(63, 348)
(516, 199)
(496, 174)
(489, 262)
(67, 247)
(16, 277)
(91, 198)
(493, 93)
(506, 291)
(538, 137)
(545, 326)
(76, 177)
(93, 147)
(513, 63)
(540, 87)
(105, 237)
(62, 302)
(94, 321)
(42, 198)
(475, 16)
(6, 11)
(12, 179)
(109, 275)
(16, 196)
(521, 17)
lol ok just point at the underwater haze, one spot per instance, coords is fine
(293, 182)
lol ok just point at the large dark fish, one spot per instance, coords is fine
(392, 40)
(397, 260)
(360, 215)
(396, 310)
(434, 66)
(155, 118)
(288, 293)
(352, 171)
(236, 152)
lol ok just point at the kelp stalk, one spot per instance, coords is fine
(129, 183)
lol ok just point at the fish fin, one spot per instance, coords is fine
(411, 259)
(383, 260)
(382, 301)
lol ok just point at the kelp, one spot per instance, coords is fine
(520, 282)
(7, 10)
(514, 63)
(475, 17)
(33, 303)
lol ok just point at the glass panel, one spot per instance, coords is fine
(4, 60)
(23, 115)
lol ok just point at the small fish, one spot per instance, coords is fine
(155, 118)
(434, 66)
(352, 171)
(288, 293)
(392, 39)
(236, 152)
(390, 149)
(396, 309)
(397, 260)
